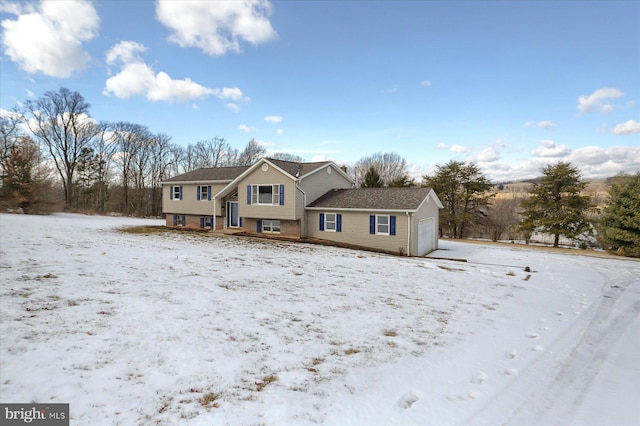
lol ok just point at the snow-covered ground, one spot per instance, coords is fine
(183, 328)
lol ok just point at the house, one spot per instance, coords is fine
(304, 200)
(400, 220)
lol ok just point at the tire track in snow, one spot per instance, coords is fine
(560, 379)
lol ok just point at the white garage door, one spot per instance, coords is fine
(426, 234)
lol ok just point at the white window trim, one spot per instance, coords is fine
(334, 221)
(176, 193)
(270, 225)
(204, 194)
(388, 224)
(275, 195)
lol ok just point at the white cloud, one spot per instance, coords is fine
(232, 93)
(246, 128)
(233, 107)
(599, 100)
(280, 132)
(216, 27)
(136, 78)
(545, 124)
(627, 128)
(273, 118)
(125, 52)
(590, 155)
(592, 162)
(48, 38)
(453, 148)
(425, 83)
(549, 149)
(488, 155)
(392, 89)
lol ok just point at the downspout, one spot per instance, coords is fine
(303, 220)
(214, 213)
(408, 234)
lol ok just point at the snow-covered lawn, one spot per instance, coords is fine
(186, 328)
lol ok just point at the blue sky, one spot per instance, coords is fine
(509, 85)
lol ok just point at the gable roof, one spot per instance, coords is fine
(210, 174)
(375, 199)
(297, 170)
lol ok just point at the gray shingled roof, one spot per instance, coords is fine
(297, 169)
(210, 174)
(373, 198)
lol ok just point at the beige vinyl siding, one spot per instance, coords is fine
(355, 230)
(189, 203)
(270, 177)
(428, 209)
(318, 183)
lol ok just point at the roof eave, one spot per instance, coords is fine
(364, 209)
(194, 181)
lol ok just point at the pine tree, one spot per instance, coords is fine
(620, 224)
(465, 193)
(372, 179)
(555, 205)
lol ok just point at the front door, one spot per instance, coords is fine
(232, 214)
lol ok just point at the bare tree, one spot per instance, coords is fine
(502, 215)
(390, 166)
(131, 140)
(105, 148)
(287, 157)
(9, 134)
(162, 158)
(252, 153)
(61, 121)
(211, 152)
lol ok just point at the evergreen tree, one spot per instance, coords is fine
(555, 205)
(372, 179)
(465, 194)
(620, 224)
(25, 177)
(403, 181)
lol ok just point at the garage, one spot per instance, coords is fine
(426, 236)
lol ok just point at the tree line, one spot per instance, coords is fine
(52, 145)
(555, 205)
(100, 166)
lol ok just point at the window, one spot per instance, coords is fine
(204, 192)
(206, 222)
(271, 226)
(179, 220)
(175, 193)
(331, 222)
(382, 225)
(265, 194)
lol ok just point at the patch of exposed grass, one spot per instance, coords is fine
(160, 229)
(266, 380)
(351, 351)
(390, 333)
(209, 399)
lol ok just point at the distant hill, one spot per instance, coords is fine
(598, 189)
